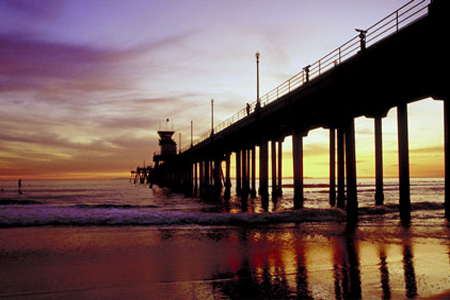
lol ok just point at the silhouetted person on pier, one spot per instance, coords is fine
(362, 37)
(248, 109)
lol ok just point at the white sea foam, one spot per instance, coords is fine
(30, 216)
(35, 215)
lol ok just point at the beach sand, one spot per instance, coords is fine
(320, 261)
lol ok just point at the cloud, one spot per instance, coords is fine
(31, 64)
(428, 150)
(42, 9)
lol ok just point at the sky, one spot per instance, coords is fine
(86, 84)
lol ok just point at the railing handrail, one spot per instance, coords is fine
(391, 24)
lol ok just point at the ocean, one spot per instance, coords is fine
(113, 239)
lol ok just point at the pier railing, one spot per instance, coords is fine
(409, 13)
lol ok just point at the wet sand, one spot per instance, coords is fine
(320, 261)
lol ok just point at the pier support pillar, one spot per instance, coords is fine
(238, 172)
(350, 161)
(264, 173)
(447, 157)
(195, 179)
(201, 178)
(273, 161)
(297, 156)
(341, 169)
(244, 190)
(332, 167)
(379, 194)
(249, 170)
(212, 173)
(217, 176)
(280, 162)
(403, 163)
(207, 175)
(446, 108)
(253, 189)
(227, 191)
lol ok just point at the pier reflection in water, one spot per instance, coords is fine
(288, 265)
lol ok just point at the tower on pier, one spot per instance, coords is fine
(168, 147)
(166, 142)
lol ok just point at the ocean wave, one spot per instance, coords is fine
(123, 215)
(392, 208)
(110, 217)
(106, 206)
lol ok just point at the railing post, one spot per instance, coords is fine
(396, 20)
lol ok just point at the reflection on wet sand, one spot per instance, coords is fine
(265, 272)
(408, 267)
(302, 274)
(261, 273)
(306, 261)
(347, 280)
(384, 273)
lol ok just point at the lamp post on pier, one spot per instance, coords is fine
(192, 134)
(212, 117)
(258, 103)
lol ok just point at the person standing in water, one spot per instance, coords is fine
(20, 186)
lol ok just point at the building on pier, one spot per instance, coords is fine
(168, 147)
(164, 158)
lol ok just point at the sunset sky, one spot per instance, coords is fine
(85, 85)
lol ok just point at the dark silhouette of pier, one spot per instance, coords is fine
(400, 59)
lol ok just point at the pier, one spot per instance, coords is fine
(399, 60)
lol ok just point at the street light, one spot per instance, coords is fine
(192, 134)
(258, 104)
(212, 116)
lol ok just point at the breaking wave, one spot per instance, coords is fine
(393, 208)
(122, 206)
(117, 216)
(133, 215)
